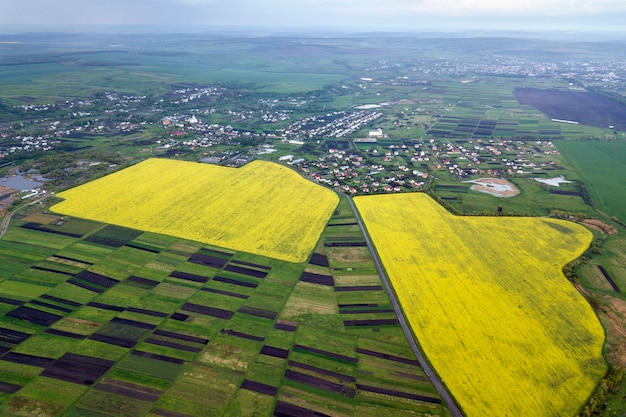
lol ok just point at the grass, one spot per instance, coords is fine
(533, 200)
(600, 166)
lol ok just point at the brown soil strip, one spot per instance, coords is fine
(325, 353)
(13, 336)
(285, 326)
(360, 323)
(609, 279)
(112, 340)
(61, 333)
(55, 271)
(130, 245)
(274, 352)
(133, 323)
(144, 282)
(208, 260)
(78, 369)
(158, 357)
(85, 286)
(11, 301)
(172, 345)
(245, 271)
(72, 259)
(340, 377)
(317, 279)
(179, 316)
(387, 356)
(319, 260)
(129, 390)
(39, 228)
(259, 387)
(146, 312)
(319, 383)
(34, 316)
(31, 360)
(168, 413)
(242, 335)
(344, 244)
(366, 311)
(358, 305)
(283, 409)
(258, 312)
(97, 279)
(9, 388)
(106, 306)
(61, 300)
(360, 288)
(267, 268)
(208, 311)
(398, 394)
(216, 252)
(227, 293)
(235, 282)
(181, 336)
(189, 277)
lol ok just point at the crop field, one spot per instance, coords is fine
(586, 108)
(116, 321)
(600, 165)
(262, 208)
(487, 301)
(492, 110)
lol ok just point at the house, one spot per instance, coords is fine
(376, 133)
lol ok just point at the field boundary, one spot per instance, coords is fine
(412, 340)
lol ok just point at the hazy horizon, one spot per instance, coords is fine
(602, 16)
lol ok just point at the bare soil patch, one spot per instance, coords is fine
(599, 226)
(349, 254)
(497, 187)
(345, 280)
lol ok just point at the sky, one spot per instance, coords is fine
(361, 15)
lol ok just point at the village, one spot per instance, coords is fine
(346, 150)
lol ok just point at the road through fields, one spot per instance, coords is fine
(456, 412)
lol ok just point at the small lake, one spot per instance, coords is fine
(18, 182)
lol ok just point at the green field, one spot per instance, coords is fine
(600, 165)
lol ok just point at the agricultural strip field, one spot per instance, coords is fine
(95, 325)
(600, 165)
(262, 208)
(489, 305)
(580, 107)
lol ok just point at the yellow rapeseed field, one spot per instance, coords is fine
(262, 208)
(490, 306)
